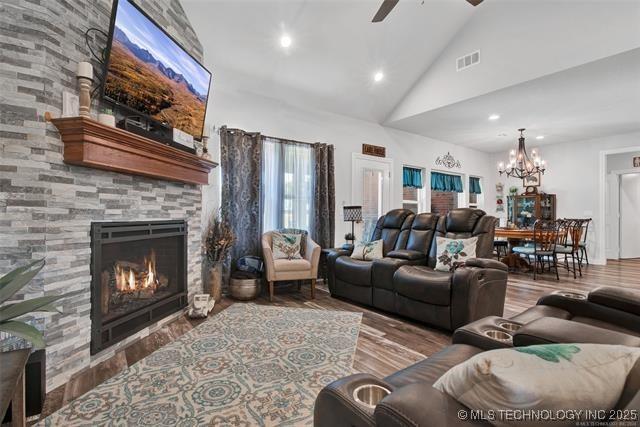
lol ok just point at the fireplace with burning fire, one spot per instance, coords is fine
(139, 276)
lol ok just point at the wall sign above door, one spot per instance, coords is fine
(448, 161)
(374, 150)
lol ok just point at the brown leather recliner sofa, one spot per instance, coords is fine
(405, 282)
(413, 401)
(613, 308)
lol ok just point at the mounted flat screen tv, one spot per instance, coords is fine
(148, 73)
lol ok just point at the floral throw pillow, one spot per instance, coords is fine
(592, 376)
(368, 251)
(453, 252)
(286, 246)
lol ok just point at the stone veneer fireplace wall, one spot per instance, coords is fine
(46, 206)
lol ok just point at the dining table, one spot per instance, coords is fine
(515, 237)
(514, 234)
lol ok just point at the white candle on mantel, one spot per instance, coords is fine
(85, 69)
(205, 131)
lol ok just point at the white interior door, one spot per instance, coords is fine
(612, 215)
(630, 215)
(371, 188)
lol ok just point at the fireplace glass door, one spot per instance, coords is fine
(138, 276)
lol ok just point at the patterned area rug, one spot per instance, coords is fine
(248, 365)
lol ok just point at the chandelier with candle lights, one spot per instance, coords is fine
(520, 164)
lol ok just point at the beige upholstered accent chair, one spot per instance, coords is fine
(295, 269)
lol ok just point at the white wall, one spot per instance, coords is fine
(573, 175)
(275, 118)
(520, 41)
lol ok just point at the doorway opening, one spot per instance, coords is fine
(622, 204)
(371, 188)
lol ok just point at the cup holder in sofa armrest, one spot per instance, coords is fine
(350, 400)
(488, 333)
(510, 326)
(497, 335)
(571, 295)
(547, 330)
(370, 395)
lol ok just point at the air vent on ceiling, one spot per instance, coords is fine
(468, 60)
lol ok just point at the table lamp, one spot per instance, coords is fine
(353, 214)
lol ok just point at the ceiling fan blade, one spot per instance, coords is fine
(387, 6)
(475, 2)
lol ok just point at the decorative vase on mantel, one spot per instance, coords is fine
(215, 281)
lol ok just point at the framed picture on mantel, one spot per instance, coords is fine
(636, 162)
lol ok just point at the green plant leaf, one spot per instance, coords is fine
(24, 307)
(551, 352)
(13, 281)
(23, 330)
(50, 308)
(12, 274)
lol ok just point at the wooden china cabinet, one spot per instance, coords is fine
(525, 209)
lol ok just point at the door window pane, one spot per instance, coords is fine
(372, 200)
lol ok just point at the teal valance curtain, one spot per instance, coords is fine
(444, 182)
(474, 185)
(411, 177)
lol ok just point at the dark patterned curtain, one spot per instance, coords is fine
(323, 226)
(240, 162)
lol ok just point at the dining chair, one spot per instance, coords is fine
(545, 240)
(500, 245)
(569, 243)
(584, 254)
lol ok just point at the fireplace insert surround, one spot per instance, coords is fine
(138, 276)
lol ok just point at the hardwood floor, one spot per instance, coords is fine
(386, 342)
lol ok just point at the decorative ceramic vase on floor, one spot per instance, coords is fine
(215, 281)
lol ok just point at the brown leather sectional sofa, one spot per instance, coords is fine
(605, 316)
(405, 282)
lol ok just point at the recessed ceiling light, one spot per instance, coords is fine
(540, 137)
(378, 76)
(285, 40)
(494, 117)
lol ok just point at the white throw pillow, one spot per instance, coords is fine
(368, 251)
(286, 246)
(450, 252)
(550, 377)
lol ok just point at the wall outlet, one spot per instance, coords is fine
(70, 104)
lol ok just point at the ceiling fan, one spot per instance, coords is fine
(388, 5)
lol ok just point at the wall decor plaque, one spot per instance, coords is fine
(374, 150)
(448, 161)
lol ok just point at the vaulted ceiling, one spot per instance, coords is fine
(335, 50)
(531, 68)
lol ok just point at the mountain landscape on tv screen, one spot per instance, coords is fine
(140, 81)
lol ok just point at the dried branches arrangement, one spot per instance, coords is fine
(219, 239)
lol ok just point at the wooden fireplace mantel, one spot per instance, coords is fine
(92, 144)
